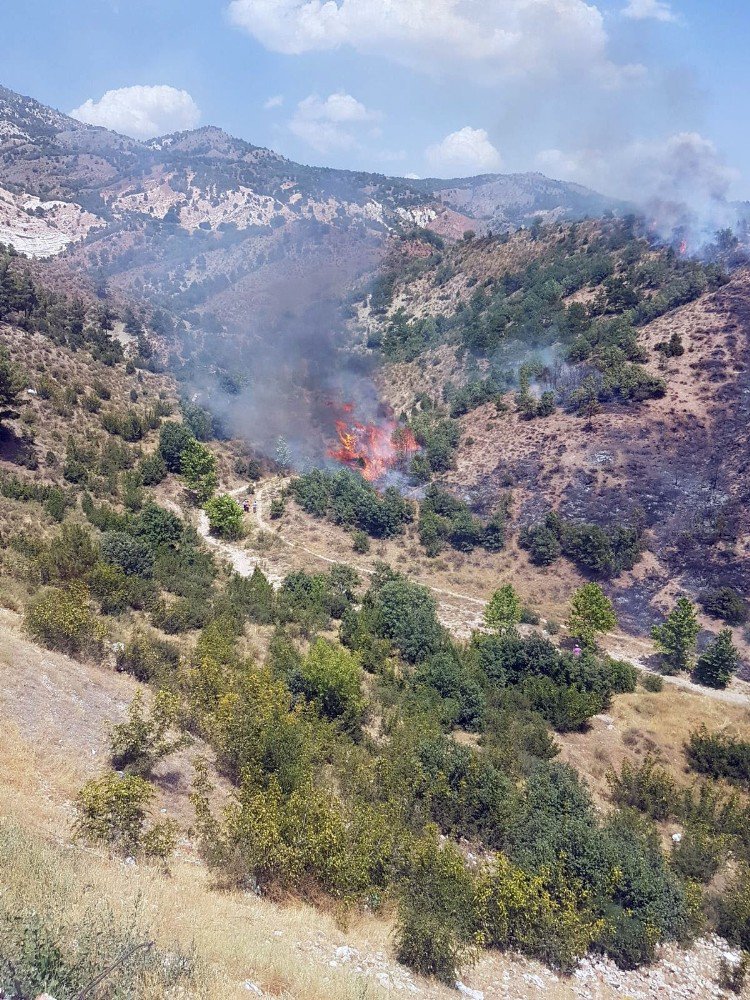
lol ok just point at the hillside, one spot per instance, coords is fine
(662, 437)
(330, 552)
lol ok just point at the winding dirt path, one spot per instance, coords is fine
(461, 621)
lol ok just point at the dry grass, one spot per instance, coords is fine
(54, 715)
(642, 723)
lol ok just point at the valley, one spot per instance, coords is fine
(374, 575)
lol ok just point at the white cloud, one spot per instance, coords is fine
(649, 10)
(467, 151)
(491, 38)
(142, 112)
(334, 122)
(273, 102)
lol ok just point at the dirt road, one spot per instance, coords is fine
(461, 614)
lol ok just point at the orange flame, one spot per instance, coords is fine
(372, 449)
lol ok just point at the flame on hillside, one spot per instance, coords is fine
(373, 450)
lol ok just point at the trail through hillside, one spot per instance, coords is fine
(460, 620)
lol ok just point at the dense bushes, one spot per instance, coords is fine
(55, 500)
(62, 619)
(345, 498)
(720, 755)
(435, 928)
(438, 437)
(443, 519)
(604, 551)
(725, 603)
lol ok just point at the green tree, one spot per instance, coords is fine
(676, 638)
(173, 440)
(591, 614)
(406, 614)
(224, 516)
(12, 381)
(332, 678)
(504, 609)
(198, 468)
(718, 662)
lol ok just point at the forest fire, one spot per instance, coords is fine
(372, 449)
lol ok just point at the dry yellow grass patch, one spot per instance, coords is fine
(642, 723)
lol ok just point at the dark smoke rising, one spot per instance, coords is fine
(285, 367)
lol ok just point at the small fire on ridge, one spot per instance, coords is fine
(373, 450)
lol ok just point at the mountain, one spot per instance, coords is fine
(510, 200)
(210, 180)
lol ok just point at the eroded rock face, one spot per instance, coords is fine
(40, 228)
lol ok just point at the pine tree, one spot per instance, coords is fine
(11, 384)
(718, 662)
(504, 609)
(591, 614)
(676, 638)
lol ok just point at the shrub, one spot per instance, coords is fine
(542, 543)
(112, 811)
(153, 469)
(652, 682)
(623, 676)
(733, 975)
(69, 556)
(734, 909)
(331, 677)
(435, 924)
(139, 743)
(225, 517)
(406, 614)
(361, 543)
(252, 597)
(157, 527)
(720, 755)
(528, 616)
(530, 914)
(130, 554)
(725, 603)
(148, 658)
(61, 619)
(187, 570)
(648, 788)
(699, 854)
(464, 700)
(566, 707)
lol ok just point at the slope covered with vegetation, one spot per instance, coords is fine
(353, 749)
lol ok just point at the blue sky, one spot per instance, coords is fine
(624, 96)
